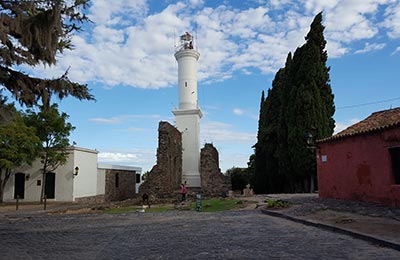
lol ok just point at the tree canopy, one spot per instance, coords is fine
(18, 145)
(299, 102)
(32, 33)
(53, 130)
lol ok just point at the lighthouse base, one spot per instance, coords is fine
(192, 179)
(187, 122)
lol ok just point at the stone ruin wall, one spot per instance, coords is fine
(164, 179)
(125, 188)
(213, 182)
(166, 176)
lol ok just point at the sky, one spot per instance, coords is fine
(126, 57)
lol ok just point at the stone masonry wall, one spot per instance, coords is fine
(213, 182)
(166, 176)
(125, 189)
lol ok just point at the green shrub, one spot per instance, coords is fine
(271, 203)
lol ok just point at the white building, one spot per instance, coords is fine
(79, 179)
(188, 115)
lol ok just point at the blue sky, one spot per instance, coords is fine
(126, 56)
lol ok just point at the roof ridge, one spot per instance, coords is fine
(377, 121)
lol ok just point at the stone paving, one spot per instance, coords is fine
(311, 203)
(244, 234)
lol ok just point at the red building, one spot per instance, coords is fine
(363, 161)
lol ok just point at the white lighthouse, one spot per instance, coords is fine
(188, 115)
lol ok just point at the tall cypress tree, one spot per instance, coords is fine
(260, 177)
(300, 102)
(268, 177)
(311, 104)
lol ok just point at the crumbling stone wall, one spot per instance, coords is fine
(119, 185)
(213, 182)
(166, 176)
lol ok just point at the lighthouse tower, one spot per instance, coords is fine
(188, 115)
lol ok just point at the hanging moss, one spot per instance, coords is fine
(32, 33)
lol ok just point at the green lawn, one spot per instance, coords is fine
(213, 205)
(208, 205)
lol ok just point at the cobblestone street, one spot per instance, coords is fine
(246, 234)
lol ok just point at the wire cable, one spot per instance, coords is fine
(370, 103)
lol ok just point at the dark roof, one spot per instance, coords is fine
(375, 122)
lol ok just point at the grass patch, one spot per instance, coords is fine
(213, 205)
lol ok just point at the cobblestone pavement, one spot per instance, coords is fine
(246, 234)
(311, 203)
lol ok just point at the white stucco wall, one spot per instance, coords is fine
(90, 180)
(33, 173)
(85, 183)
(67, 187)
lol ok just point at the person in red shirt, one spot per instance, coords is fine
(183, 191)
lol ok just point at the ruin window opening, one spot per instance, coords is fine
(117, 180)
(395, 156)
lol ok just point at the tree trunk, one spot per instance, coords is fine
(3, 181)
(1, 191)
(312, 187)
(43, 187)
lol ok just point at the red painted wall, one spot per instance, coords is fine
(359, 168)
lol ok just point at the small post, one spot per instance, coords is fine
(198, 202)
(17, 203)
(45, 202)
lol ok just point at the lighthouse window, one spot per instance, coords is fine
(185, 84)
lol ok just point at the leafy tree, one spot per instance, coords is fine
(251, 169)
(299, 101)
(18, 145)
(6, 110)
(33, 33)
(53, 131)
(240, 177)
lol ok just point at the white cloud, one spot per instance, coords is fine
(145, 159)
(213, 131)
(371, 47)
(397, 50)
(124, 118)
(229, 160)
(238, 111)
(117, 157)
(113, 120)
(196, 3)
(104, 12)
(126, 46)
(250, 113)
(392, 19)
(340, 126)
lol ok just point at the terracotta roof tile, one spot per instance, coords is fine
(375, 122)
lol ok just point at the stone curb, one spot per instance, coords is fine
(368, 238)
